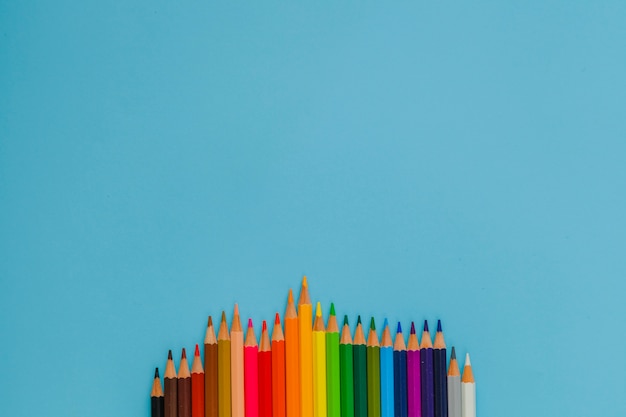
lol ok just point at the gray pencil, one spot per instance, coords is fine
(454, 387)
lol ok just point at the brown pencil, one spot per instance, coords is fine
(197, 385)
(184, 387)
(210, 372)
(170, 382)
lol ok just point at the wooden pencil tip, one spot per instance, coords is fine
(332, 309)
(169, 354)
(412, 327)
(290, 296)
(210, 321)
(345, 319)
(425, 325)
(184, 355)
(277, 319)
(318, 310)
(304, 283)
(156, 373)
(197, 352)
(358, 320)
(439, 325)
(264, 326)
(453, 354)
(372, 324)
(399, 329)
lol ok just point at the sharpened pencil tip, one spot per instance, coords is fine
(277, 319)
(385, 323)
(399, 329)
(358, 320)
(290, 296)
(250, 323)
(156, 373)
(372, 324)
(264, 327)
(453, 353)
(210, 321)
(439, 325)
(304, 283)
(345, 319)
(223, 316)
(412, 327)
(318, 310)
(197, 352)
(236, 313)
(467, 360)
(169, 355)
(425, 325)
(332, 309)
(184, 355)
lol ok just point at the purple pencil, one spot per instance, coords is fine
(413, 375)
(428, 376)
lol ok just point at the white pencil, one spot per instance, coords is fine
(468, 390)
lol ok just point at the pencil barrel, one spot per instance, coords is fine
(400, 383)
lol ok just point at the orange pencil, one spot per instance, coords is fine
(305, 328)
(197, 385)
(292, 360)
(236, 366)
(278, 370)
(265, 374)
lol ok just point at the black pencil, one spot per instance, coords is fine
(157, 403)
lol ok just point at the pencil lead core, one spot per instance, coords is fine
(223, 315)
(412, 327)
(332, 309)
(290, 296)
(210, 321)
(453, 354)
(385, 323)
(439, 325)
(277, 319)
(236, 313)
(304, 283)
(184, 355)
(345, 319)
(358, 320)
(249, 323)
(425, 325)
(372, 324)
(156, 373)
(264, 326)
(169, 354)
(197, 352)
(318, 310)
(399, 329)
(467, 360)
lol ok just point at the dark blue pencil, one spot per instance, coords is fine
(399, 374)
(427, 373)
(440, 374)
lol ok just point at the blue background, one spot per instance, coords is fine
(162, 160)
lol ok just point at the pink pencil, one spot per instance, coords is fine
(251, 373)
(413, 375)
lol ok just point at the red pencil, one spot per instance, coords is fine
(251, 373)
(278, 370)
(197, 385)
(265, 374)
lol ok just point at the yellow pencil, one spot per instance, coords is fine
(305, 320)
(319, 365)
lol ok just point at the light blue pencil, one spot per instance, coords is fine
(386, 373)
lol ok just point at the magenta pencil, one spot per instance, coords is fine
(251, 373)
(413, 375)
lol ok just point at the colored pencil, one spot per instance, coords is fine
(157, 404)
(265, 373)
(223, 369)
(428, 377)
(468, 390)
(359, 352)
(373, 372)
(236, 367)
(197, 385)
(251, 373)
(454, 387)
(440, 374)
(386, 373)
(413, 376)
(170, 383)
(278, 370)
(346, 372)
(305, 320)
(210, 372)
(333, 378)
(318, 339)
(292, 360)
(184, 387)
(399, 375)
